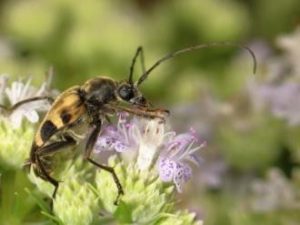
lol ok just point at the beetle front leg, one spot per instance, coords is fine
(142, 111)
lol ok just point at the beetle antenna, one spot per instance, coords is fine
(138, 52)
(196, 47)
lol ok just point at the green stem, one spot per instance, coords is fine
(7, 197)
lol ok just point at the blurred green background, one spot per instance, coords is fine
(252, 161)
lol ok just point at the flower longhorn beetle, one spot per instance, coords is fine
(90, 105)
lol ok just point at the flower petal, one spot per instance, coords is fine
(181, 175)
(31, 115)
(104, 143)
(16, 118)
(120, 146)
(146, 156)
(166, 169)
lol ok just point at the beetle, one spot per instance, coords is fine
(90, 104)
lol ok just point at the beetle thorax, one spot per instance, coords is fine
(99, 91)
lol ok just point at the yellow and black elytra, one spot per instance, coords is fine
(90, 104)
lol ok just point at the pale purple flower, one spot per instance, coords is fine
(119, 138)
(152, 144)
(279, 88)
(283, 100)
(173, 161)
(141, 136)
(274, 193)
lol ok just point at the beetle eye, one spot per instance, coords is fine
(126, 92)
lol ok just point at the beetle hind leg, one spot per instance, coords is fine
(39, 165)
(43, 173)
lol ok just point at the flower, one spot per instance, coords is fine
(75, 202)
(147, 199)
(279, 90)
(87, 192)
(283, 100)
(17, 139)
(172, 163)
(152, 144)
(15, 144)
(274, 193)
(20, 91)
(140, 137)
(150, 137)
(290, 43)
(120, 138)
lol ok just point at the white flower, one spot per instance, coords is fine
(19, 92)
(150, 139)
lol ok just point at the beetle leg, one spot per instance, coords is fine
(87, 155)
(47, 150)
(33, 99)
(45, 176)
(55, 146)
(4, 108)
(18, 104)
(144, 112)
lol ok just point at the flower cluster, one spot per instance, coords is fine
(283, 100)
(151, 144)
(274, 193)
(17, 92)
(147, 199)
(280, 89)
(150, 157)
(290, 43)
(15, 138)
